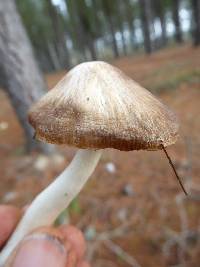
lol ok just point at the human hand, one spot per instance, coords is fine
(45, 247)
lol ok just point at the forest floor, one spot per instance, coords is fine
(132, 210)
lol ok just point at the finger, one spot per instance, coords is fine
(44, 247)
(71, 259)
(9, 217)
(75, 237)
(38, 249)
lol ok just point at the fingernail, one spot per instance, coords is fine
(41, 250)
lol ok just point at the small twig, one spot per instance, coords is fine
(105, 238)
(92, 248)
(117, 232)
(172, 165)
(121, 253)
(167, 246)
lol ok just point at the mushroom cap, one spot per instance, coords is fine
(97, 106)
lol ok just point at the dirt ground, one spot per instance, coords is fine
(132, 211)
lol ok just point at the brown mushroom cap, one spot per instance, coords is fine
(97, 106)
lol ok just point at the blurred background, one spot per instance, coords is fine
(132, 211)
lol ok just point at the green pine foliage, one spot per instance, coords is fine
(95, 29)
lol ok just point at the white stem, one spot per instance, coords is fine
(55, 198)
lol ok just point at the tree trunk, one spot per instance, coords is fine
(65, 54)
(2, 77)
(176, 19)
(196, 14)
(163, 27)
(130, 20)
(159, 7)
(121, 28)
(92, 47)
(44, 60)
(24, 83)
(123, 41)
(114, 41)
(145, 10)
(133, 40)
(59, 35)
(53, 56)
(78, 36)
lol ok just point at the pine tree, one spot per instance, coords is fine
(176, 19)
(108, 11)
(22, 79)
(145, 11)
(196, 15)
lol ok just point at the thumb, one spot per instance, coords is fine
(42, 248)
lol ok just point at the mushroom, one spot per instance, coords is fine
(95, 106)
